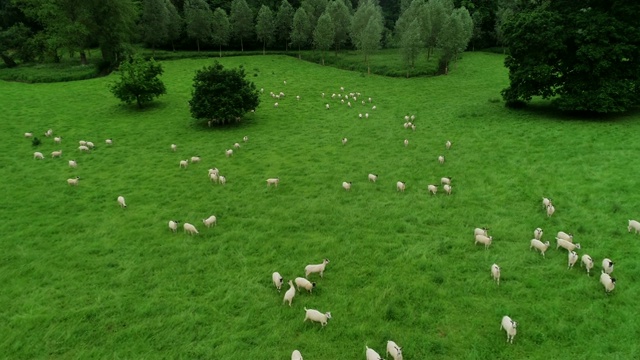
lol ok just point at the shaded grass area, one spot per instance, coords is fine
(83, 278)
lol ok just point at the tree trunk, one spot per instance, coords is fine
(139, 102)
(173, 46)
(220, 50)
(198, 42)
(83, 57)
(241, 45)
(264, 47)
(299, 56)
(323, 58)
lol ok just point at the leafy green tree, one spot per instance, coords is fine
(366, 29)
(222, 95)
(241, 19)
(438, 12)
(583, 56)
(284, 22)
(221, 29)
(265, 27)
(198, 17)
(300, 30)
(314, 9)
(411, 44)
(154, 23)
(112, 26)
(341, 18)
(174, 28)
(139, 81)
(323, 34)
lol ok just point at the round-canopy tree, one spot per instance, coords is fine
(222, 95)
(139, 81)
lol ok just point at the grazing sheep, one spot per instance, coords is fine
(535, 243)
(298, 97)
(73, 181)
(608, 282)
(510, 327)
(83, 148)
(633, 224)
(319, 268)
(273, 181)
(82, 143)
(275, 105)
(195, 159)
(400, 186)
(174, 147)
(346, 185)
(372, 354)
(360, 115)
(285, 82)
(479, 231)
(447, 145)
(344, 140)
(445, 180)
(38, 155)
(222, 179)
(73, 164)
(370, 99)
(327, 106)
(296, 355)
(121, 202)
(245, 139)
(316, 316)
(537, 233)
(184, 163)
(210, 220)
(545, 202)
(432, 189)
(413, 117)
(302, 282)
(441, 159)
(406, 118)
(277, 280)
(567, 245)
(173, 225)
(90, 145)
(214, 171)
(288, 296)
(28, 134)
(563, 235)
(236, 146)
(373, 107)
(228, 152)
(413, 127)
(262, 90)
(56, 154)
(406, 142)
(48, 133)
(588, 263)
(607, 266)
(363, 103)
(57, 139)
(495, 273)
(394, 350)
(486, 240)
(573, 257)
(550, 210)
(373, 177)
(349, 103)
(406, 125)
(188, 228)
(108, 142)
(213, 177)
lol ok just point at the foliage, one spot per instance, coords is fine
(175, 25)
(220, 29)
(139, 81)
(222, 95)
(154, 22)
(301, 29)
(241, 19)
(118, 16)
(198, 18)
(454, 36)
(314, 9)
(411, 44)
(366, 29)
(323, 34)
(284, 22)
(341, 19)
(438, 12)
(265, 27)
(584, 57)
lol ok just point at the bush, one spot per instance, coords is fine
(139, 81)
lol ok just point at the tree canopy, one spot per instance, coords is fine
(139, 81)
(366, 29)
(323, 34)
(265, 27)
(198, 17)
(241, 20)
(220, 29)
(301, 29)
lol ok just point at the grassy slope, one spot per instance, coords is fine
(83, 278)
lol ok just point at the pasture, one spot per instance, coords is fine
(83, 278)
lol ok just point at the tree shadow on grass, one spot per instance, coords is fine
(548, 111)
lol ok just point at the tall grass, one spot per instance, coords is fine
(83, 278)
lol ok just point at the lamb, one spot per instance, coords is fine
(447, 189)
(344, 140)
(327, 106)
(545, 202)
(349, 103)
(210, 220)
(400, 186)
(432, 189)
(567, 245)
(228, 153)
(83, 148)
(295, 355)
(82, 143)
(173, 225)
(73, 181)
(236, 146)
(495, 273)
(121, 202)
(277, 280)
(607, 266)
(445, 180)
(535, 243)
(319, 268)
(288, 296)
(372, 354)
(174, 147)
(394, 350)
(28, 134)
(38, 155)
(413, 117)
(537, 233)
(298, 97)
(370, 99)
(245, 139)
(214, 171)
(406, 125)
(302, 282)
(360, 115)
(573, 257)
(195, 159)
(447, 145)
(275, 105)
(406, 142)
(550, 210)
(48, 133)
(373, 107)
(588, 263)
(273, 181)
(486, 240)
(346, 185)
(184, 163)
(188, 228)
(406, 118)
(222, 179)
(317, 316)
(478, 231)
(608, 282)
(108, 142)
(373, 177)
(563, 235)
(56, 154)
(441, 159)
(510, 327)
(90, 145)
(413, 127)
(633, 224)
(57, 139)
(73, 164)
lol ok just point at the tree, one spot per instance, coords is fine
(284, 22)
(139, 81)
(265, 27)
(112, 26)
(323, 34)
(314, 9)
(366, 29)
(174, 28)
(198, 17)
(438, 12)
(221, 29)
(154, 23)
(341, 18)
(411, 44)
(222, 95)
(300, 30)
(241, 19)
(583, 56)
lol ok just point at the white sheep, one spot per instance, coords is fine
(587, 261)
(277, 280)
(479, 231)
(298, 97)
(319, 268)
(285, 82)
(563, 235)
(406, 125)
(545, 202)
(222, 179)
(109, 141)
(447, 189)
(273, 181)
(211, 220)
(327, 106)
(486, 240)
(245, 139)
(432, 189)
(633, 224)
(413, 127)
(90, 145)
(236, 146)
(447, 145)
(56, 154)
(537, 233)
(360, 115)
(28, 134)
(195, 159)
(373, 177)
(57, 139)
(550, 210)
(413, 117)
(121, 202)
(304, 283)
(48, 133)
(275, 105)
(174, 147)
(189, 228)
(607, 266)
(372, 354)
(495, 273)
(370, 99)
(373, 107)
(608, 282)
(214, 171)
(441, 159)
(316, 316)
(213, 177)
(38, 155)
(228, 152)
(366, 115)
(573, 257)
(406, 142)
(83, 148)
(400, 186)
(344, 140)
(73, 164)
(73, 181)
(173, 225)
(82, 143)
(349, 103)
(510, 327)
(288, 296)
(346, 185)
(394, 350)
(535, 243)
(296, 355)
(184, 163)
(445, 180)
(363, 103)
(566, 244)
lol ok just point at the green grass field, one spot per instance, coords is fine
(82, 278)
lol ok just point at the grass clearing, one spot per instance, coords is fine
(83, 278)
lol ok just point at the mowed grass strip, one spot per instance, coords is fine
(83, 278)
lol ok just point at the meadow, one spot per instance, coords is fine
(83, 278)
